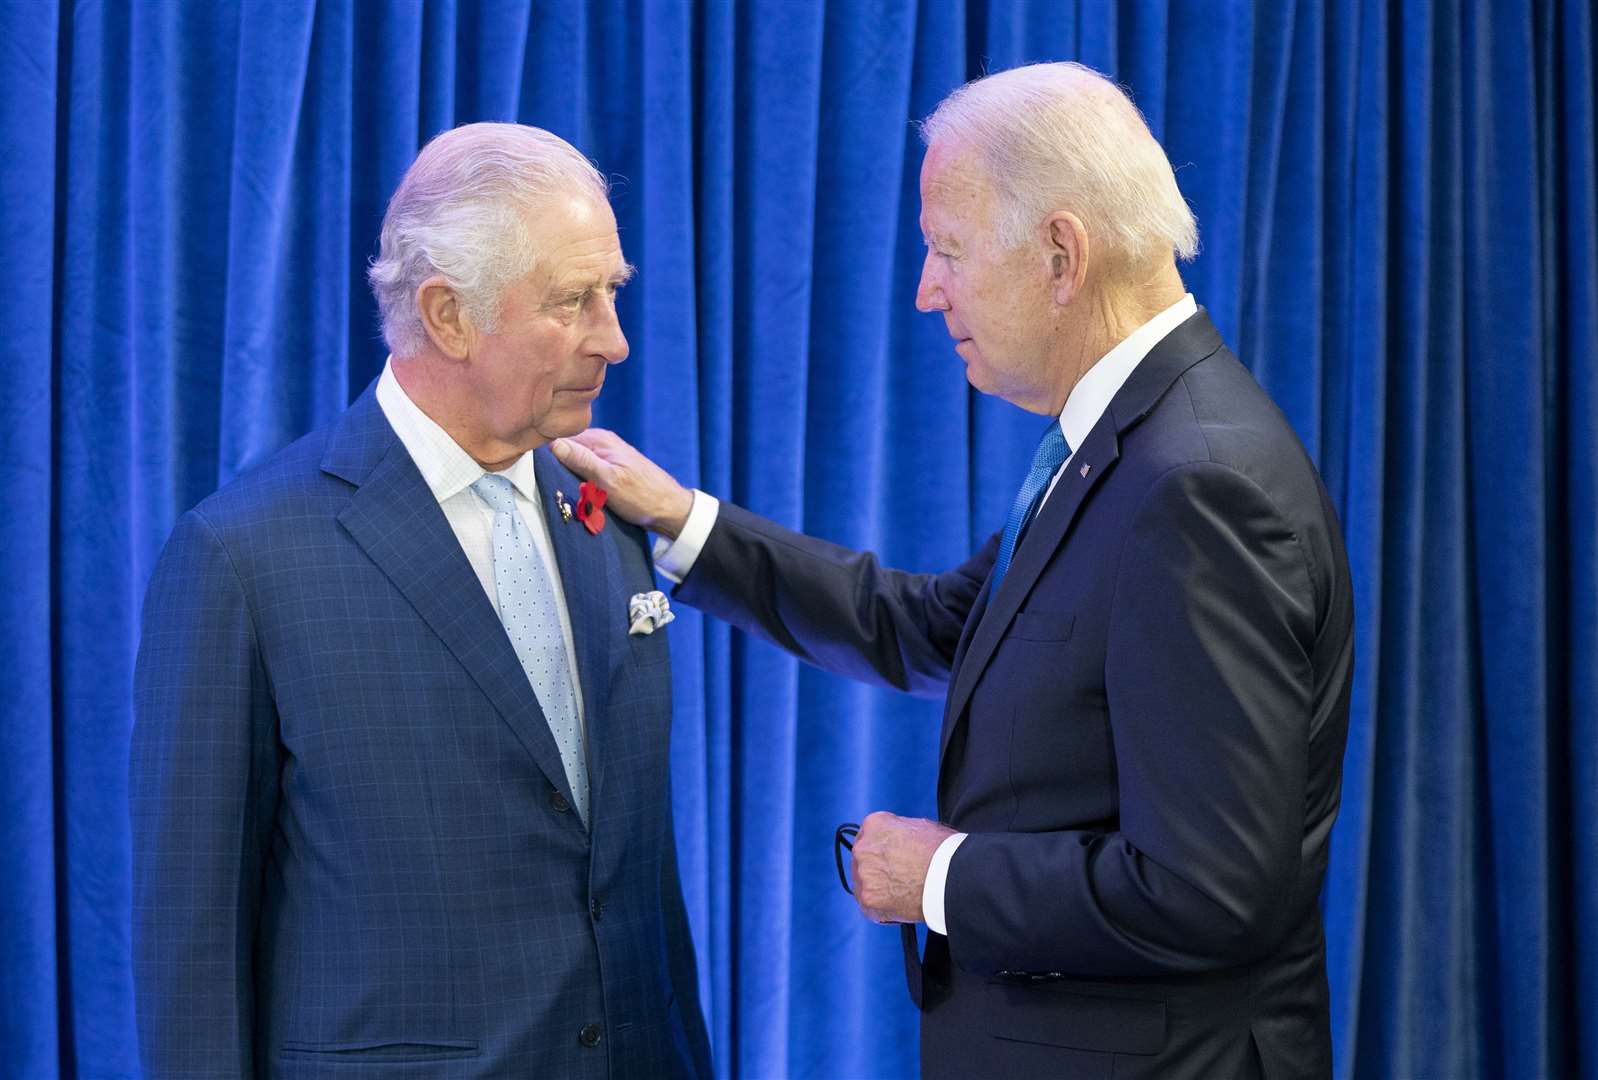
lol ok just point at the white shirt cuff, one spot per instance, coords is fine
(937, 878)
(674, 558)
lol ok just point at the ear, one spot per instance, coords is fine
(446, 323)
(1066, 245)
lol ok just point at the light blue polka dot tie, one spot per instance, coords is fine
(1046, 461)
(527, 608)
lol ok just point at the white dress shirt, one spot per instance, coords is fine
(450, 473)
(1083, 408)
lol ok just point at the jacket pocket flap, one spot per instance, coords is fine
(1044, 1013)
(1042, 626)
(385, 1049)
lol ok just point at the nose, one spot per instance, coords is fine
(929, 293)
(608, 340)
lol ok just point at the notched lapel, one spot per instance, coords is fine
(394, 518)
(586, 579)
(1100, 450)
(1193, 341)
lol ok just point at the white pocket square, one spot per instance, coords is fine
(647, 611)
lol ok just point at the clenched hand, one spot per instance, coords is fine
(889, 865)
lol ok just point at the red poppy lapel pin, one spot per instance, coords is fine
(591, 506)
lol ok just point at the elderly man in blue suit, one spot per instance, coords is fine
(400, 782)
(1146, 671)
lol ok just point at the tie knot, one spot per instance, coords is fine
(1052, 450)
(496, 491)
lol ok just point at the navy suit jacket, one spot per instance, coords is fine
(354, 847)
(1143, 736)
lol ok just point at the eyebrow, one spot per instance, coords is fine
(578, 286)
(619, 278)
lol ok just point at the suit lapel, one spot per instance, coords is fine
(396, 521)
(1192, 341)
(583, 564)
(1099, 452)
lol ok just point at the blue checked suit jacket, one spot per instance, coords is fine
(354, 849)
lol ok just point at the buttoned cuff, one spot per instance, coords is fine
(674, 558)
(937, 878)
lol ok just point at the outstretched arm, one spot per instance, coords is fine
(839, 609)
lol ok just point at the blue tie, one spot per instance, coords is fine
(1046, 461)
(532, 620)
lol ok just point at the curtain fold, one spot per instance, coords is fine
(30, 946)
(1398, 217)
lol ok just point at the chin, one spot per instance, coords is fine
(978, 379)
(566, 423)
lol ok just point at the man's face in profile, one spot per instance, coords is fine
(536, 377)
(994, 299)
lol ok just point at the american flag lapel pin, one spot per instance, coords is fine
(1085, 470)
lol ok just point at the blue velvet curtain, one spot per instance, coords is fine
(1400, 233)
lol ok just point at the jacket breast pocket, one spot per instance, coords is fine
(647, 650)
(1049, 627)
(1033, 663)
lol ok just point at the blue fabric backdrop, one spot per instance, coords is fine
(1400, 236)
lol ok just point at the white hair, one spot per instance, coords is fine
(461, 212)
(1061, 136)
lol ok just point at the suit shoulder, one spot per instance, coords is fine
(1217, 414)
(283, 486)
(1215, 411)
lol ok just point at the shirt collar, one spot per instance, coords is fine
(1101, 382)
(446, 467)
(523, 477)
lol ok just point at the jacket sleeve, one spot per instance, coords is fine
(203, 775)
(838, 609)
(1209, 683)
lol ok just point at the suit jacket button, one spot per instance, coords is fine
(590, 1035)
(559, 802)
(596, 908)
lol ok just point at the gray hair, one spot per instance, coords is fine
(1062, 136)
(461, 212)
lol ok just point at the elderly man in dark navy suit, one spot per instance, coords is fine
(400, 788)
(1146, 670)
